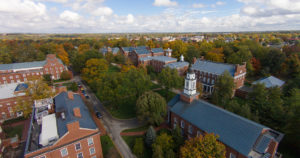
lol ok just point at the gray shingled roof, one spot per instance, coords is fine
(270, 82)
(142, 50)
(177, 65)
(263, 143)
(235, 131)
(66, 105)
(22, 65)
(127, 49)
(157, 50)
(158, 58)
(115, 50)
(213, 67)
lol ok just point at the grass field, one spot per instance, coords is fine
(142, 128)
(130, 140)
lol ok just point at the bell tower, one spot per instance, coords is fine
(189, 92)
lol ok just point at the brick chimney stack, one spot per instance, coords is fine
(77, 112)
(70, 95)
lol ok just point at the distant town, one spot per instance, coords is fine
(150, 95)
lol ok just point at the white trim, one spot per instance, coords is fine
(92, 141)
(91, 152)
(79, 146)
(62, 153)
(240, 75)
(23, 69)
(78, 154)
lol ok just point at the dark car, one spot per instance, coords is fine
(87, 97)
(98, 115)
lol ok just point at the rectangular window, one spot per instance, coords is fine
(4, 78)
(198, 133)
(92, 151)
(90, 141)
(10, 77)
(77, 146)
(79, 155)
(190, 129)
(182, 124)
(64, 152)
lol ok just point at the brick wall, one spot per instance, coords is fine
(7, 106)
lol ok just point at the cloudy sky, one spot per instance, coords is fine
(101, 16)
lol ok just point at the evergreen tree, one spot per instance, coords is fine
(223, 89)
(150, 136)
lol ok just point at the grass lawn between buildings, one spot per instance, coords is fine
(108, 148)
(12, 131)
(138, 129)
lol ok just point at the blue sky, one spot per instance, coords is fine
(101, 16)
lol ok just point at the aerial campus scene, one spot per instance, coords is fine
(150, 78)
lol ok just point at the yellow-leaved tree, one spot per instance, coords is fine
(203, 147)
(94, 68)
(62, 54)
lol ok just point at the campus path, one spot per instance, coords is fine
(112, 125)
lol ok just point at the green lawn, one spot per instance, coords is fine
(126, 110)
(163, 93)
(108, 148)
(154, 86)
(142, 128)
(12, 131)
(71, 86)
(130, 140)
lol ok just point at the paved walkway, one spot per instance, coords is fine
(113, 125)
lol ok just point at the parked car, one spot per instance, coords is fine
(83, 92)
(98, 115)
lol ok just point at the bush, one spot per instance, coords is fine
(65, 75)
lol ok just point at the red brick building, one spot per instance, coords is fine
(242, 138)
(68, 132)
(8, 100)
(207, 73)
(19, 72)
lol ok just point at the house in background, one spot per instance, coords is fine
(20, 72)
(106, 50)
(69, 131)
(207, 73)
(242, 138)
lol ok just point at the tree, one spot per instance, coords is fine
(47, 78)
(202, 147)
(170, 154)
(178, 47)
(137, 81)
(157, 152)
(151, 107)
(191, 53)
(177, 137)
(165, 141)
(138, 148)
(62, 54)
(223, 89)
(65, 75)
(214, 57)
(83, 48)
(93, 68)
(150, 136)
(169, 78)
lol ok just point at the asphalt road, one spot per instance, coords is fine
(112, 125)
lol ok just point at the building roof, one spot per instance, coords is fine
(235, 131)
(127, 49)
(21, 87)
(158, 58)
(157, 50)
(33, 64)
(263, 143)
(177, 65)
(213, 67)
(115, 50)
(8, 90)
(66, 105)
(270, 82)
(49, 129)
(142, 50)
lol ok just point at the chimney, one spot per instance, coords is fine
(73, 126)
(77, 112)
(70, 95)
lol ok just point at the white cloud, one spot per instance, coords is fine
(198, 5)
(56, 1)
(102, 11)
(19, 7)
(165, 3)
(220, 3)
(69, 16)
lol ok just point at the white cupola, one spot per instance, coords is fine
(190, 84)
(182, 58)
(169, 52)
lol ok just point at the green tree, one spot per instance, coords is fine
(191, 53)
(178, 138)
(150, 136)
(203, 146)
(169, 78)
(223, 89)
(138, 148)
(47, 78)
(165, 141)
(137, 81)
(170, 154)
(151, 107)
(157, 152)
(65, 75)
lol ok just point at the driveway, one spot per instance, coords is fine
(113, 125)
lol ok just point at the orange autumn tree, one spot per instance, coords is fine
(215, 55)
(203, 147)
(62, 54)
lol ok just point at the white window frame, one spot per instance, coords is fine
(190, 130)
(78, 154)
(61, 152)
(93, 156)
(182, 124)
(231, 155)
(92, 141)
(79, 146)
(90, 149)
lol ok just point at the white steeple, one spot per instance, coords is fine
(182, 58)
(190, 84)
